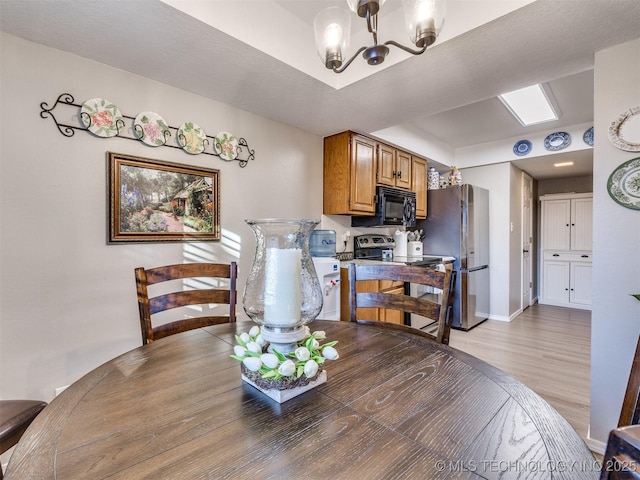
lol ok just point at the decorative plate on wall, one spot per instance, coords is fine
(587, 137)
(557, 141)
(226, 145)
(624, 131)
(522, 147)
(191, 138)
(624, 184)
(101, 117)
(151, 129)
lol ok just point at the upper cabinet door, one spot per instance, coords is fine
(419, 185)
(556, 218)
(363, 174)
(403, 170)
(386, 165)
(349, 175)
(582, 224)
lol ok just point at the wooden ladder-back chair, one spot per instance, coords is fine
(622, 456)
(438, 311)
(630, 414)
(15, 417)
(211, 274)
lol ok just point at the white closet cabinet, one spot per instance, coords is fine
(566, 235)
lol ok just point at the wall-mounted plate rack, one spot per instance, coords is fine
(76, 118)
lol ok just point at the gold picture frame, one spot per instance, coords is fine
(157, 201)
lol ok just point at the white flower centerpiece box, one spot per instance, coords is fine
(283, 377)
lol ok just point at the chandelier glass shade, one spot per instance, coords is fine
(423, 21)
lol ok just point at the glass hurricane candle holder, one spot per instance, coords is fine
(283, 293)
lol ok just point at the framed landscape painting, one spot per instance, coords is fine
(155, 201)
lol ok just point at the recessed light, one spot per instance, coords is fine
(530, 105)
(563, 164)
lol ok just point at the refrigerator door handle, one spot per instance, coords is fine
(473, 269)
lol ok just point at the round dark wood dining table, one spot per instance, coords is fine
(395, 405)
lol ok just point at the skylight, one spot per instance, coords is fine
(530, 105)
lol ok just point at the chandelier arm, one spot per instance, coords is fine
(343, 67)
(406, 49)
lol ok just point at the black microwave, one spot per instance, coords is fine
(394, 207)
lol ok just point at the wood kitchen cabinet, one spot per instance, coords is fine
(355, 164)
(566, 235)
(419, 185)
(393, 167)
(377, 314)
(349, 174)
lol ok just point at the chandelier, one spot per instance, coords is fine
(423, 19)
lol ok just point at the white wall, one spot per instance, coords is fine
(501, 150)
(615, 318)
(497, 179)
(67, 300)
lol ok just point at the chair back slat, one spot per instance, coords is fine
(204, 275)
(437, 310)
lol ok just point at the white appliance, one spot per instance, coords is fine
(328, 271)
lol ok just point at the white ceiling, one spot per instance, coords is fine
(448, 92)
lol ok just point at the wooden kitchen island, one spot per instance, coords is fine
(395, 405)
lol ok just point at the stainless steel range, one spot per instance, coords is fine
(371, 247)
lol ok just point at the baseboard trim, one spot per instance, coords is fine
(565, 305)
(595, 446)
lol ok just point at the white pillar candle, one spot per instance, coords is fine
(282, 297)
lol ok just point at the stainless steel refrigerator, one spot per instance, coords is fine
(457, 225)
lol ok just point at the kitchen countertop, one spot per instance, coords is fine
(396, 260)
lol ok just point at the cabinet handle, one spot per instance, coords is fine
(394, 174)
(585, 256)
(556, 254)
(399, 173)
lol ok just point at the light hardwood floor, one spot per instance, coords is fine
(547, 348)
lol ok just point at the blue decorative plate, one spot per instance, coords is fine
(557, 141)
(522, 147)
(588, 137)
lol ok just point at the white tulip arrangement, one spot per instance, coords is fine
(305, 360)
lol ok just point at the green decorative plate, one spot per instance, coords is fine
(191, 138)
(226, 146)
(624, 184)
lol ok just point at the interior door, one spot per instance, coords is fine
(527, 240)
